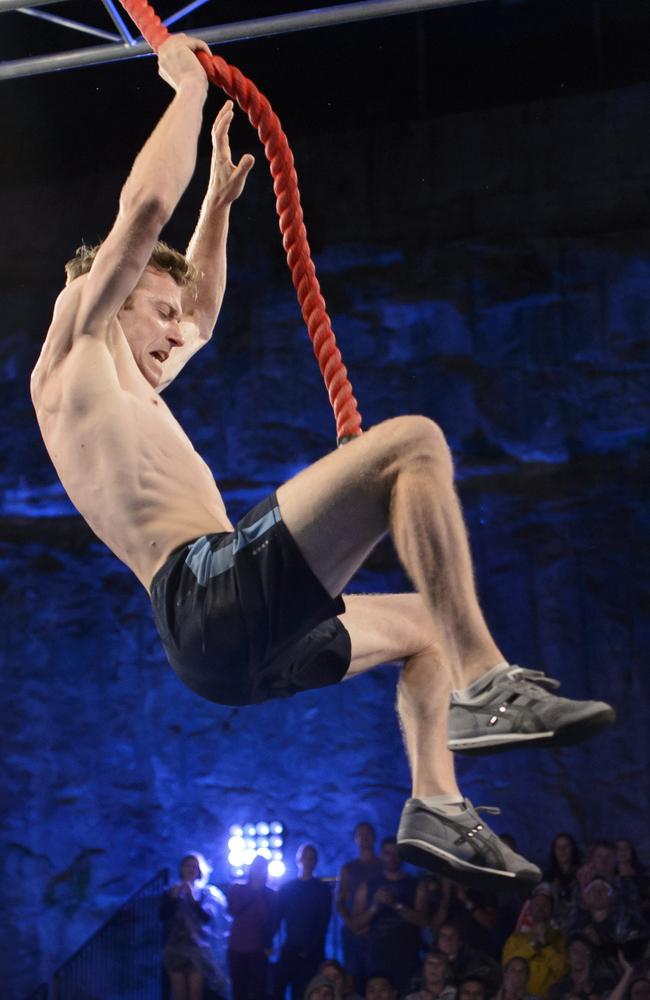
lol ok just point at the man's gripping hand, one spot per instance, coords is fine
(177, 63)
(226, 180)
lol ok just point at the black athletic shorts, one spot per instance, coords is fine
(242, 617)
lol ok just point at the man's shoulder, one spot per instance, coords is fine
(61, 335)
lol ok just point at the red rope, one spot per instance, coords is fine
(294, 235)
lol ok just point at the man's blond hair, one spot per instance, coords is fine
(163, 258)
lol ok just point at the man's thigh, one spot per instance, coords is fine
(385, 628)
(338, 508)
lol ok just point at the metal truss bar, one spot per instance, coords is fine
(65, 22)
(119, 22)
(7, 5)
(237, 32)
(182, 12)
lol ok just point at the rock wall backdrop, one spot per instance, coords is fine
(487, 266)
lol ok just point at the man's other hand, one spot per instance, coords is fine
(226, 180)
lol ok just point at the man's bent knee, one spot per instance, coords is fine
(409, 438)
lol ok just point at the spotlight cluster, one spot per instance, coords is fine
(248, 840)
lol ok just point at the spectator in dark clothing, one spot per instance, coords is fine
(393, 908)
(380, 988)
(252, 907)
(304, 906)
(628, 866)
(607, 921)
(472, 988)
(473, 912)
(354, 873)
(434, 979)
(468, 962)
(320, 988)
(514, 985)
(582, 979)
(565, 860)
(335, 971)
(186, 910)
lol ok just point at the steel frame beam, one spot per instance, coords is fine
(9, 5)
(347, 13)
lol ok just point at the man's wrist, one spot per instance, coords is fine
(194, 86)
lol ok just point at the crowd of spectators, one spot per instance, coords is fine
(583, 933)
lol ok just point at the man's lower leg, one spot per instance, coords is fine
(430, 537)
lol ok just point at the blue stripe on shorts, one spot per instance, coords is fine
(205, 563)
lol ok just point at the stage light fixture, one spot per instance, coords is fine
(248, 840)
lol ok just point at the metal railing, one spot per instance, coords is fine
(123, 958)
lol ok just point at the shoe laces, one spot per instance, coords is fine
(532, 678)
(491, 810)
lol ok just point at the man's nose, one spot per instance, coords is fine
(175, 336)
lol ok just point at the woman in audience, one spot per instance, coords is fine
(628, 866)
(582, 979)
(514, 986)
(186, 911)
(564, 861)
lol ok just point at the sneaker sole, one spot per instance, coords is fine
(436, 859)
(573, 732)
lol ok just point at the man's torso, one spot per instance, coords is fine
(122, 458)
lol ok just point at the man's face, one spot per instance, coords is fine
(515, 977)
(258, 872)
(379, 988)
(578, 956)
(150, 321)
(390, 859)
(449, 940)
(364, 837)
(598, 896)
(541, 907)
(472, 990)
(335, 974)
(604, 861)
(307, 858)
(435, 969)
(323, 992)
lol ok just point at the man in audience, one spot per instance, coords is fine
(472, 988)
(607, 921)
(540, 943)
(336, 973)
(380, 988)
(304, 906)
(582, 979)
(470, 910)
(365, 867)
(436, 975)
(466, 961)
(251, 905)
(391, 908)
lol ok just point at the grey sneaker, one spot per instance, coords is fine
(516, 709)
(461, 847)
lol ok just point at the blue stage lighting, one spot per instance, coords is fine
(250, 840)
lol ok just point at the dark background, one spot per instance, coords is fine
(476, 184)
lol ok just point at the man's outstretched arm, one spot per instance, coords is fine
(161, 172)
(207, 248)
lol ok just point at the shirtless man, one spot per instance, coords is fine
(255, 612)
